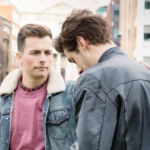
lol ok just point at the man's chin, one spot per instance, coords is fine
(41, 75)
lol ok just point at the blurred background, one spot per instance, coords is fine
(129, 21)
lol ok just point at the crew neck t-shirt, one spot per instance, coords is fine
(27, 125)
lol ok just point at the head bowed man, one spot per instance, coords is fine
(112, 98)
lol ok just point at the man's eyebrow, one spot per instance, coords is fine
(49, 50)
(36, 50)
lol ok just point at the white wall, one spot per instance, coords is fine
(143, 18)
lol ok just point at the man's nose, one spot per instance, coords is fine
(80, 70)
(42, 57)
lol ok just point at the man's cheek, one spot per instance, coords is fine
(29, 65)
(30, 61)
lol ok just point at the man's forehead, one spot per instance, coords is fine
(40, 48)
(33, 41)
(38, 42)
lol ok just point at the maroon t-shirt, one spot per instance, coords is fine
(27, 125)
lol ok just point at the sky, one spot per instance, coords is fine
(103, 2)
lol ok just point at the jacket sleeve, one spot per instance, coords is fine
(89, 117)
(90, 106)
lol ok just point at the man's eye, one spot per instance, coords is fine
(35, 53)
(73, 61)
(48, 53)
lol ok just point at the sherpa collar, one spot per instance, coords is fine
(55, 83)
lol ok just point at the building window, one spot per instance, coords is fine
(147, 4)
(146, 60)
(15, 30)
(116, 15)
(13, 60)
(146, 33)
(146, 36)
(63, 73)
(115, 33)
(6, 29)
(14, 46)
(102, 11)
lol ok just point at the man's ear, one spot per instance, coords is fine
(19, 58)
(82, 45)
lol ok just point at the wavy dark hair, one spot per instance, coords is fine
(82, 23)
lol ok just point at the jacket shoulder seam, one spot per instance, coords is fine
(95, 79)
(88, 75)
(92, 92)
(127, 82)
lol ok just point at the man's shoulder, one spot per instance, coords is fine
(69, 87)
(10, 82)
(87, 80)
(69, 84)
(64, 98)
(112, 72)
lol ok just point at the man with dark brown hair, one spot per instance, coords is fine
(36, 106)
(112, 98)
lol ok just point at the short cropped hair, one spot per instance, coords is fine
(31, 30)
(82, 23)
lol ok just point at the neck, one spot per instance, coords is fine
(32, 82)
(98, 50)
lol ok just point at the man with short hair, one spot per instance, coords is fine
(112, 95)
(36, 106)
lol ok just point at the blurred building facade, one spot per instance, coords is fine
(102, 11)
(52, 14)
(12, 14)
(5, 47)
(112, 19)
(135, 28)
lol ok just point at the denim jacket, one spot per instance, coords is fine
(58, 111)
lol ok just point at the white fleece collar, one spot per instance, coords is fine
(55, 84)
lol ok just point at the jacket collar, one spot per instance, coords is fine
(55, 84)
(109, 53)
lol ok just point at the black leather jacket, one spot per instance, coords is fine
(113, 105)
